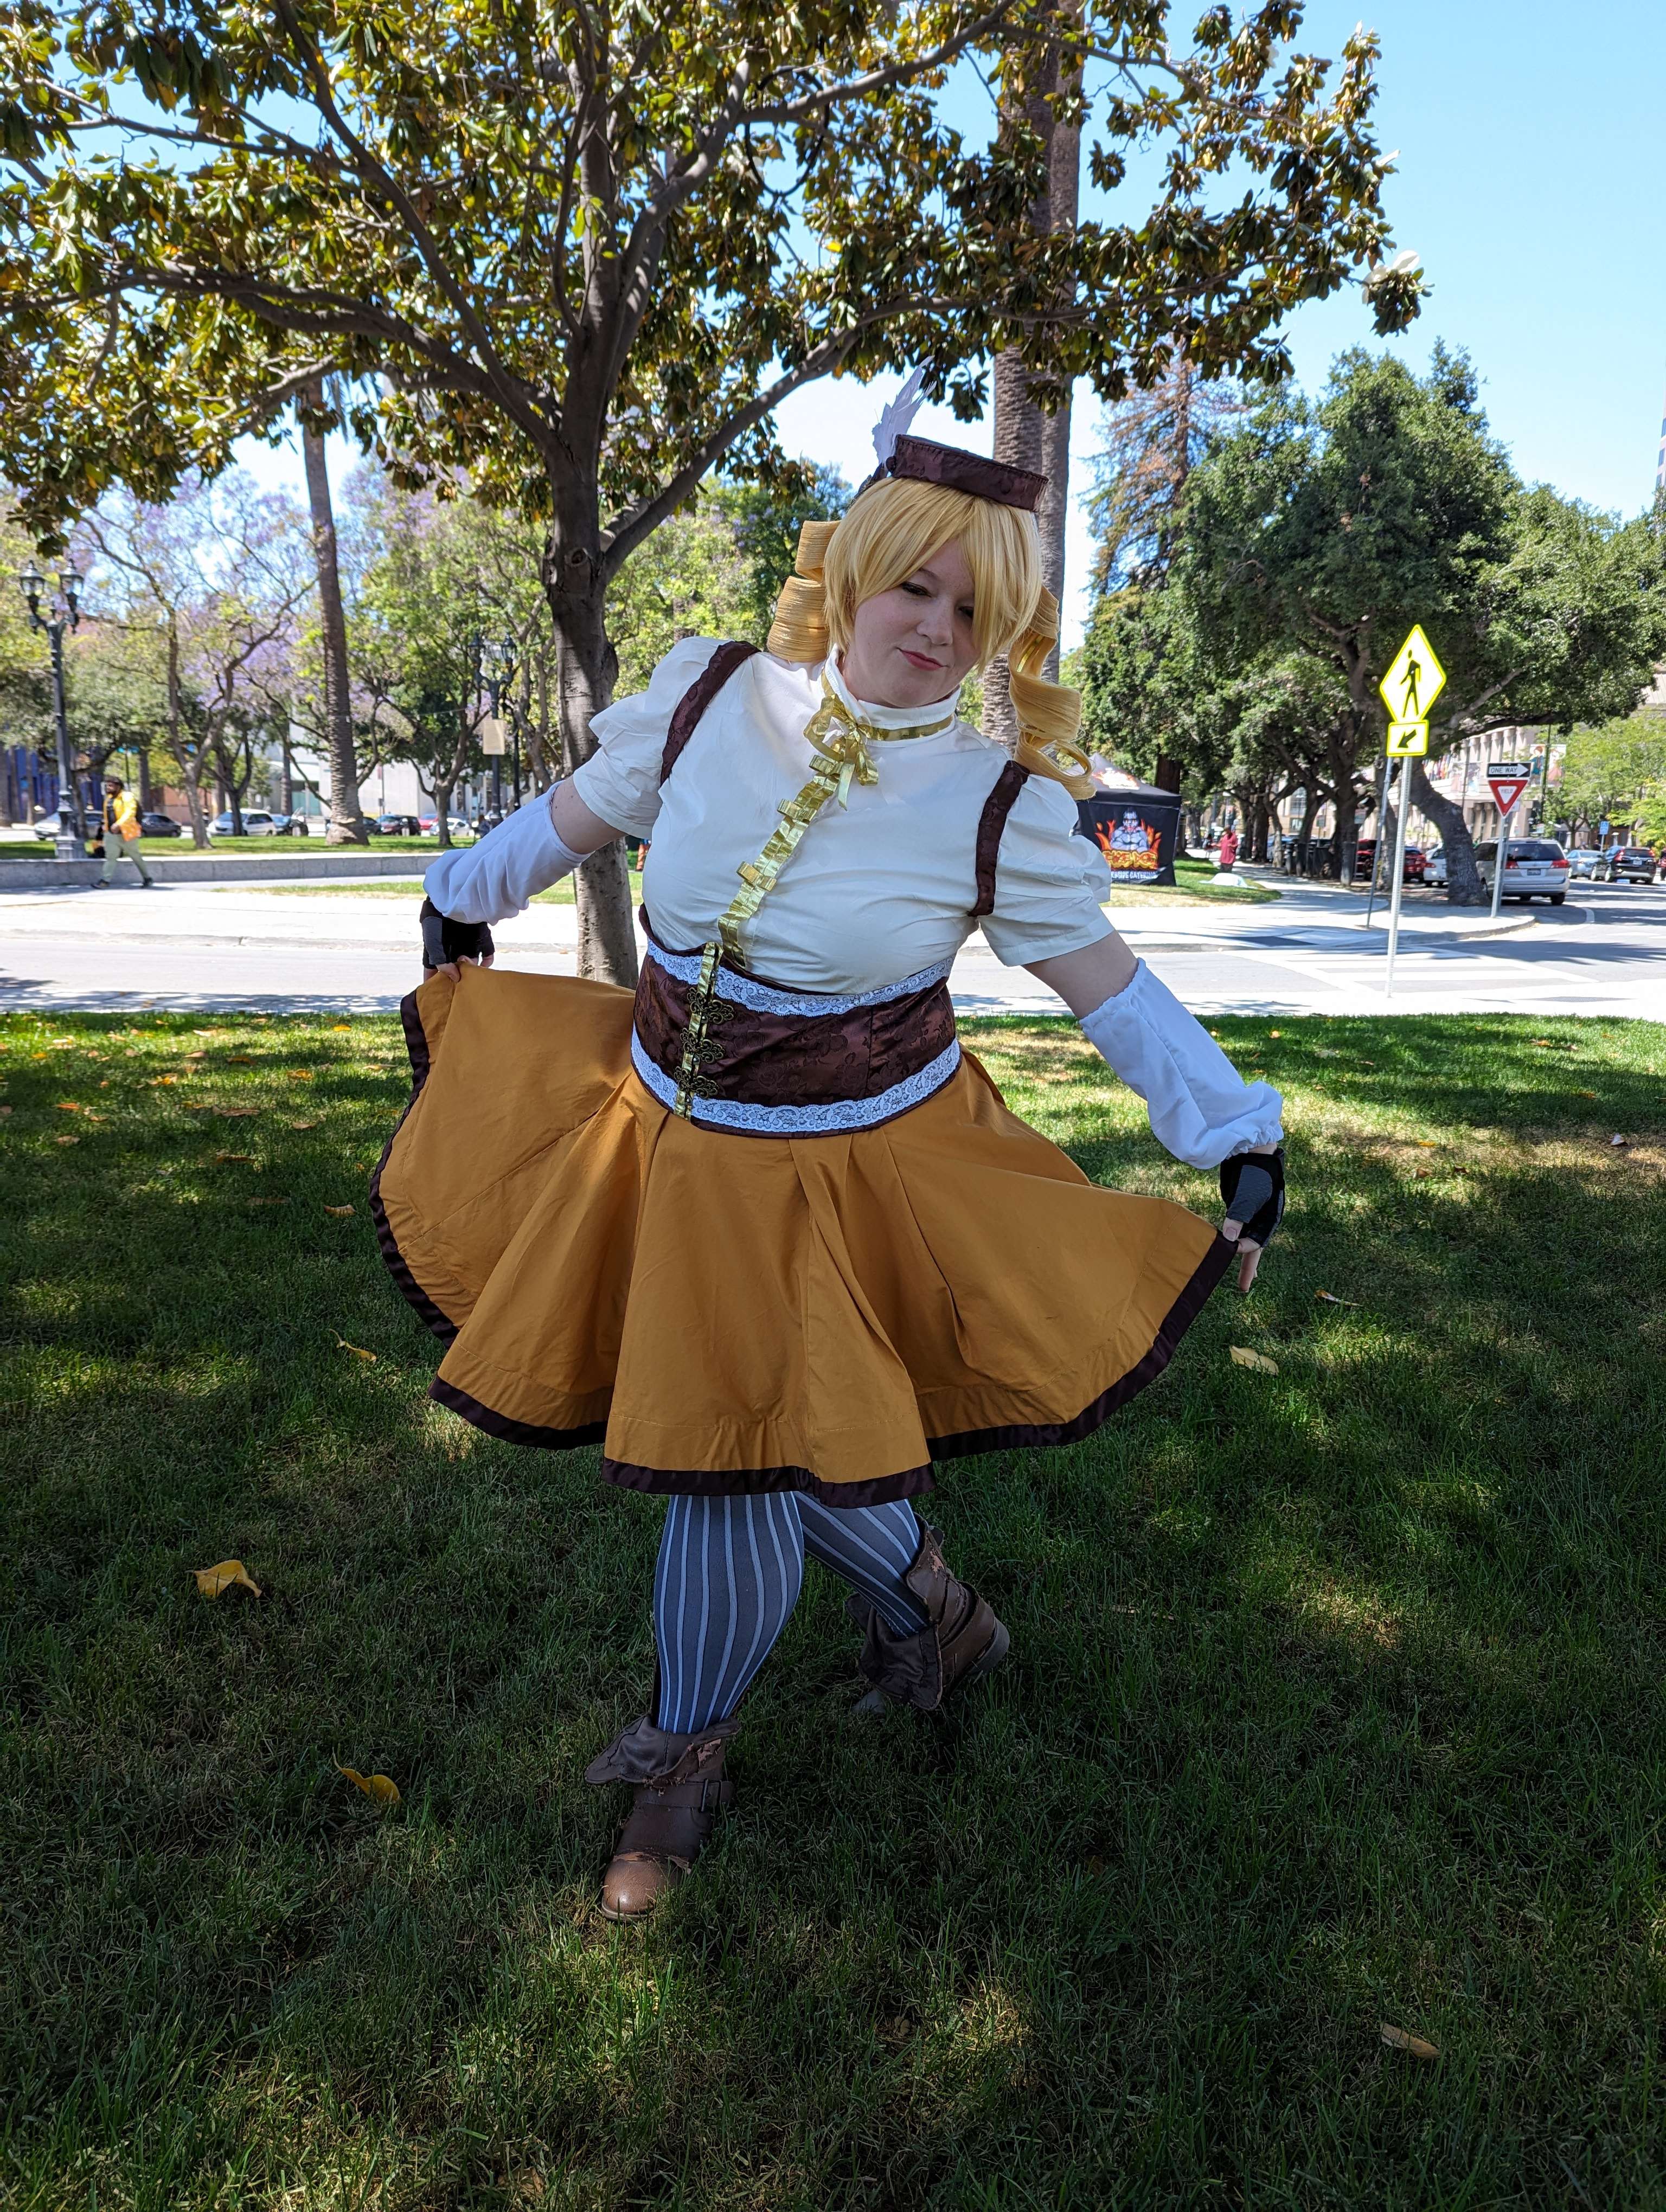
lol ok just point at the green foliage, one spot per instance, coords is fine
(582, 255)
(1313, 535)
(1617, 769)
(26, 702)
(116, 686)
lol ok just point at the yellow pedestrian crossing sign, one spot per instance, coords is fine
(1414, 681)
(1408, 739)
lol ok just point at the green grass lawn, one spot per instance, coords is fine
(1335, 1698)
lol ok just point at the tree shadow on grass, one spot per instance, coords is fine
(1332, 1700)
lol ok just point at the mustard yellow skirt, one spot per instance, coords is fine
(728, 1313)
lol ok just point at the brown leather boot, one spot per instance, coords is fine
(962, 1642)
(680, 1789)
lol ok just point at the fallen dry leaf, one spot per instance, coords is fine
(1401, 2038)
(358, 1350)
(378, 1786)
(5, 1109)
(239, 1059)
(1330, 1298)
(1243, 1357)
(1584, 1094)
(236, 1113)
(339, 1209)
(268, 1201)
(301, 1075)
(69, 1106)
(230, 1574)
(1429, 1144)
(341, 1025)
(1621, 1141)
(306, 1124)
(66, 1141)
(205, 1033)
(234, 1156)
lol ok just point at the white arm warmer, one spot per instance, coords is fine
(1200, 1107)
(491, 880)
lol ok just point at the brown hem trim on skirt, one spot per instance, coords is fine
(514, 1431)
(749, 1481)
(416, 1045)
(1175, 1322)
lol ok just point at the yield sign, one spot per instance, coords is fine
(1414, 681)
(1509, 779)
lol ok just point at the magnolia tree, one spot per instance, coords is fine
(583, 252)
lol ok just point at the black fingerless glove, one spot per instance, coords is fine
(444, 939)
(1252, 1184)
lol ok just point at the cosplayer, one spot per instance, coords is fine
(765, 1232)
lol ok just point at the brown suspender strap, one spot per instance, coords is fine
(991, 825)
(698, 696)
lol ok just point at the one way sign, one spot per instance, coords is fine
(1509, 779)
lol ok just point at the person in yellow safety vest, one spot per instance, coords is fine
(120, 825)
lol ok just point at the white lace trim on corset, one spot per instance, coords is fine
(828, 1120)
(765, 999)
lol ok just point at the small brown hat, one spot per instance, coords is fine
(926, 462)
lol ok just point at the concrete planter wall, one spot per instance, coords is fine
(288, 867)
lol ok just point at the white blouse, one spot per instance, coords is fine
(879, 889)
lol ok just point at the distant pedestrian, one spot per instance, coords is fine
(1229, 848)
(119, 826)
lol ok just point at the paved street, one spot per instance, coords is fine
(227, 945)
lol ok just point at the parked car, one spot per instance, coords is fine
(159, 825)
(1364, 859)
(258, 822)
(1534, 867)
(428, 825)
(397, 825)
(1434, 866)
(1627, 864)
(1583, 864)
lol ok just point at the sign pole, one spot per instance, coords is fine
(1399, 873)
(1499, 857)
(1377, 857)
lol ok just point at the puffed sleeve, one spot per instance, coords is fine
(621, 781)
(1049, 883)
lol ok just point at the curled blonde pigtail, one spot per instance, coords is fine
(1049, 714)
(799, 630)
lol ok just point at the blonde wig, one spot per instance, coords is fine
(892, 529)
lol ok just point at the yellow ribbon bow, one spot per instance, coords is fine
(840, 757)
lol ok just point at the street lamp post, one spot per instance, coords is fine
(68, 844)
(501, 660)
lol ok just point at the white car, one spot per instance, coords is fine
(1434, 866)
(1534, 867)
(258, 822)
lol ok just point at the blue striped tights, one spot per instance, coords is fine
(729, 1574)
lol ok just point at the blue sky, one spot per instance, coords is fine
(1529, 139)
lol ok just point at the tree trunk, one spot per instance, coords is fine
(1025, 437)
(1463, 884)
(442, 793)
(586, 669)
(347, 823)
